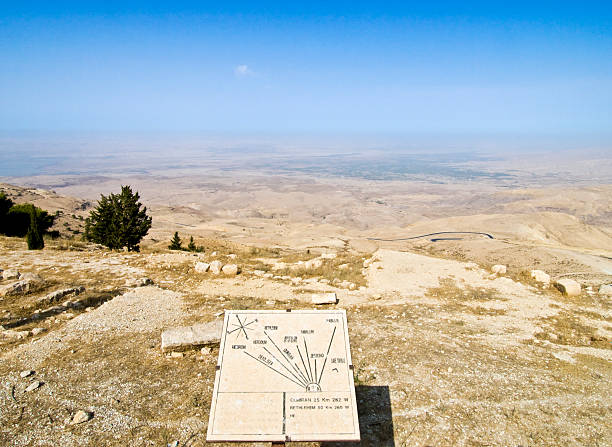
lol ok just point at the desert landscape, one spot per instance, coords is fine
(453, 270)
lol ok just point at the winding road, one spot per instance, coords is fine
(434, 234)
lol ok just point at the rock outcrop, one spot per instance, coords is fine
(230, 269)
(201, 267)
(568, 287)
(541, 277)
(499, 269)
(59, 294)
(190, 337)
(324, 298)
(215, 267)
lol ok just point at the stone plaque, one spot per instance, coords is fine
(284, 376)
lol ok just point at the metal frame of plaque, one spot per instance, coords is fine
(284, 376)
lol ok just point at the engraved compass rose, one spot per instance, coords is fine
(241, 327)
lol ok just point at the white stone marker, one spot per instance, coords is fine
(284, 376)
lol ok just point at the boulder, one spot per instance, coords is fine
(541, 277)
(568, 287)
(230, 269)
(606, 289)
(189, 337)
(328, 256)
(215, 267)
(324, 298)
(499, 269)
(202, 267)
(59, 294)
(29, 283)
(34, 385)
(10, 274)
(80, 417)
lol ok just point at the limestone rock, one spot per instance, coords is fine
(10, 333)
(215, 267)
(59, 294)
(10, 274)
(568, 287)
(541, 277)
(499, 269)
(34, 385)
(28, 283)
(80, 417)
(328, 256)
(202, 267)
(38, 330)
(324, 298)
(26, 373)
(606, 289)
(230, 269)
(187, 337)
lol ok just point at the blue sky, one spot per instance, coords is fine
(479, 68)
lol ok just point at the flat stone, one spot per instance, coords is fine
(499, 269)
(188, 337)
(324, 298)
(202, 267)
(38, 330)
(34, 385)
(541, 277)
(215, 267)
(568, 287)
(81, 416)
(606, 289)
(26, 373)
(230, 269)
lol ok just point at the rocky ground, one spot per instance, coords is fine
(445, 352)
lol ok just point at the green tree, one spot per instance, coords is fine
(175, 243)
(18, 220)
(118, 221)
(5, 206)
(34, 235)
(191, 246)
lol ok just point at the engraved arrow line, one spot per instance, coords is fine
(282, 364)
(268, 366)
(326, 355)
(308, 358)
(282, 353)
(303, 362)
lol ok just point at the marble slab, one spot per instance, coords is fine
(284, 376)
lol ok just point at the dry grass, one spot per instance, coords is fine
(567, 329)
(448, 290)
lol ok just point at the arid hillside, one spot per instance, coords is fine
(445, 351)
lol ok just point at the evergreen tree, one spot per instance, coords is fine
(118, 221)
(175, 243)
(34, 236)
(5, 206)
(192, 245)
